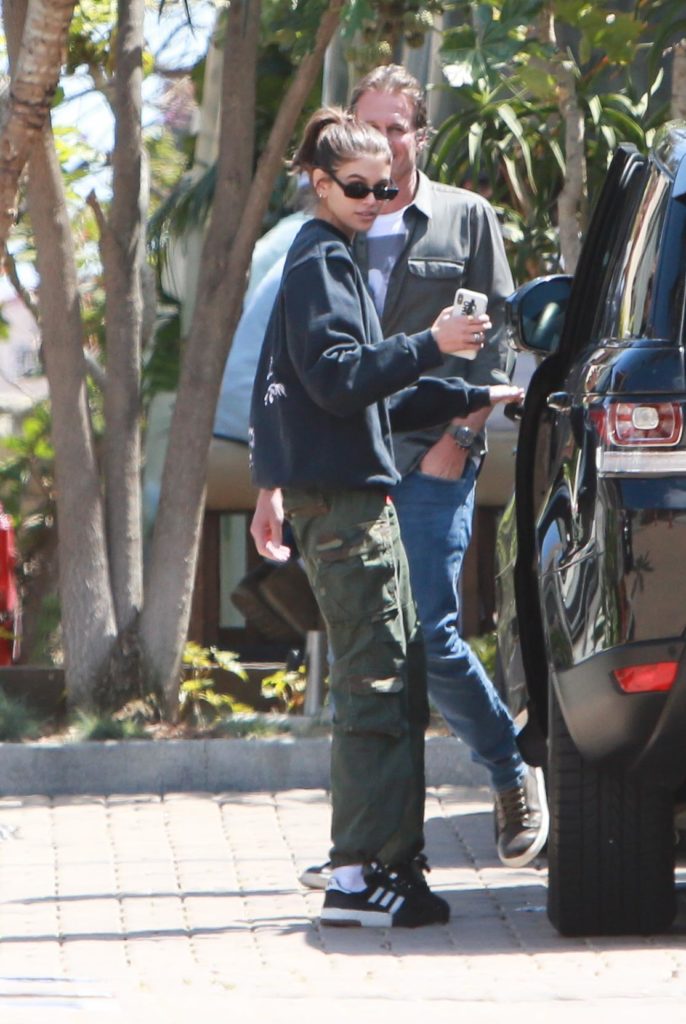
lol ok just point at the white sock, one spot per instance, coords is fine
(349, 878)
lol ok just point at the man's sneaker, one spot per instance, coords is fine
(521, 820)
(393, 899)
(317, 876)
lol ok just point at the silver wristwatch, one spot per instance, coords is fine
(463, 436)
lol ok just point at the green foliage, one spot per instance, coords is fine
(486, 42)
(287, 687)
(27, 472)
(16, 721)
(104, 727)
(186, 205)
(201, 661)
(200, 703)
(169, 153)
(291, 25)
(374, 31)
(485, 648)
(666, 25)
(503, 146)
(90, 34)
(249, 727)
(162, 358)
(507, 135)
(203, 704)
(47, 640)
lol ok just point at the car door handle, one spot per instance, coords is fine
(514, 411)
(560, 401)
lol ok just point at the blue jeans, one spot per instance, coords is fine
(435, 518)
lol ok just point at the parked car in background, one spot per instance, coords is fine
(591, 551)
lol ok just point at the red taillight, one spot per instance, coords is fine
(655, 678)
(632, 423)
(641, 438)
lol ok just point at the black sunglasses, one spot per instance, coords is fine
(358, 189)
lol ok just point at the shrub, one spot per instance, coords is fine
(16, 721)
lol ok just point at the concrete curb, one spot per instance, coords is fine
(216, 765)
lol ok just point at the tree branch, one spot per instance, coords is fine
(678, 90)
(14, 279)
(100, 219)
(282, 129)
(34, 81)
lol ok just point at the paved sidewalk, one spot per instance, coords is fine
(187, 907)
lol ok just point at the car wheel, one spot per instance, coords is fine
(610, 847)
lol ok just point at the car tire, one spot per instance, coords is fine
(610, 847)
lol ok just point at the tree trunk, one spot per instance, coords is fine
(678, 108)
(35, 74)
(123, 254)
(88, 625)
(96, 650)
(571, 198)
(237, 213)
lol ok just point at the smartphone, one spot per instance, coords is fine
(469, 303)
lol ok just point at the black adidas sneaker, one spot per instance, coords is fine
(395, 898)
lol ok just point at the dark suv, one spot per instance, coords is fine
(591, 580)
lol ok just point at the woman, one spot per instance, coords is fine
(327, 387)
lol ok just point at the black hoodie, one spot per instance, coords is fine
(329, 386)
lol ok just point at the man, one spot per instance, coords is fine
(429, 241)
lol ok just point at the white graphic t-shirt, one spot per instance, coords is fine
(385, 241)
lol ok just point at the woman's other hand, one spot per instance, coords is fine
(266, 527)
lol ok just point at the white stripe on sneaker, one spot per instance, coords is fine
(365, 918)
(397, 905)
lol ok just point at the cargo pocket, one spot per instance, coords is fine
(357, 591)
(369, 706)
(356, 573)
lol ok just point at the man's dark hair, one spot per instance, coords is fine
(394, 78)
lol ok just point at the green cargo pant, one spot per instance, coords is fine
(350, 544)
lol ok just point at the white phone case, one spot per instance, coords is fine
(469, 303)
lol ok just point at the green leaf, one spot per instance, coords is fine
(462, 71)
(512, 121)
(609, 135)
(595, 108)
(538, 82)
(474, 142)
(628, 128)
(556, 150)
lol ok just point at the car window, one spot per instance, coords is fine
(607, 235)
(627, 311)
(670, 282)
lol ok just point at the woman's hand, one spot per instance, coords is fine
(267, 526)
(460, 334)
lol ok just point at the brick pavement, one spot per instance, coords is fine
(142, 907)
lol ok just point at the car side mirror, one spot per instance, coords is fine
(535, 314)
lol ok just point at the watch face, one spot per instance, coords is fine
(464, 436)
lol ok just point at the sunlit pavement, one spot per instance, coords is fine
(151, 908)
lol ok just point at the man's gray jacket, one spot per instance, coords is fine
(454, 239)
